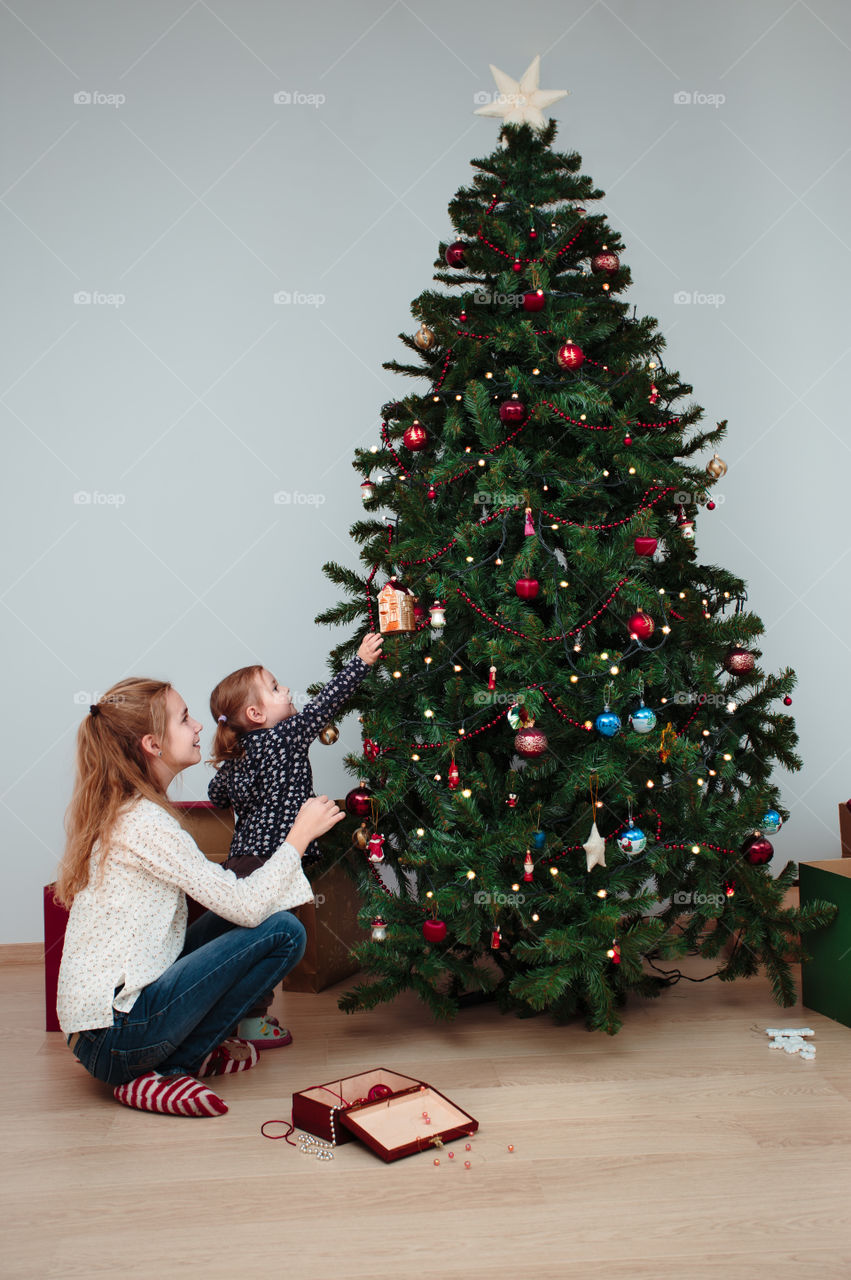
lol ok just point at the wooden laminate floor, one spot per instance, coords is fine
(681, 1149)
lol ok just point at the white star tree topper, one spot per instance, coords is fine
(521, 101)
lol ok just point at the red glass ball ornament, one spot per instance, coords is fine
(419, 613)
(415, 437)
(645, 545)
(358, 801)
(530, 743)
(526, 588)
(570, 356)
(605, 261)
(739, 661)
(512, 411)
(534, 301)
(710, 506)
(787, 701)
(757, 850)
(432, 492)
(434, 930)
(517, 265)
(455, 254)
(627, 439)
(641, 625)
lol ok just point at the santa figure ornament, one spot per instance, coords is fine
(375, 848)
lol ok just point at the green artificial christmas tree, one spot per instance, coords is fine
(567, 768)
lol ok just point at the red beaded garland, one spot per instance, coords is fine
(546, 639)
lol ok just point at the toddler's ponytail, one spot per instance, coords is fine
(228, 702)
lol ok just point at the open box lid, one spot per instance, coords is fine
(416, 1119)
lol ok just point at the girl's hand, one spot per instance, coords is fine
(370, 650)
(316, 816)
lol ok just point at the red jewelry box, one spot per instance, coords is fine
(392, 1126)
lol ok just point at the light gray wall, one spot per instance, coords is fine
(198, 398)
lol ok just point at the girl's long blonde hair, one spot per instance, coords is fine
(228, 703)
(111, 769)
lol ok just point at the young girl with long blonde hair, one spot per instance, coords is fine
(146, 1005)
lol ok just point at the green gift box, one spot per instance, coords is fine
(826, 977)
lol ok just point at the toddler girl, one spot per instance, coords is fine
(263, 772)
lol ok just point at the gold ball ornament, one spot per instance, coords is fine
(360, 839)
(329, 735)
(424, 338)
(716, 467)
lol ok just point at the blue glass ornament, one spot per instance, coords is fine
(539, 839)
(607, 723)
(771, 822)
(643, 720)
(632, 841)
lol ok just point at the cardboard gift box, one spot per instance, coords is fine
(845, 829)
(331, 923)
(393, 1125)
(826, 976)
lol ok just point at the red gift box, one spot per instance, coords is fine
(413, 1117)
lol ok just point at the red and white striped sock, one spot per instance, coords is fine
(231, 1055)
(170, 1095)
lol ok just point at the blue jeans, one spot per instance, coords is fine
(181, 1017)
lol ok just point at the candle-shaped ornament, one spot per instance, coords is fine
(438, 616)
(491, 678)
